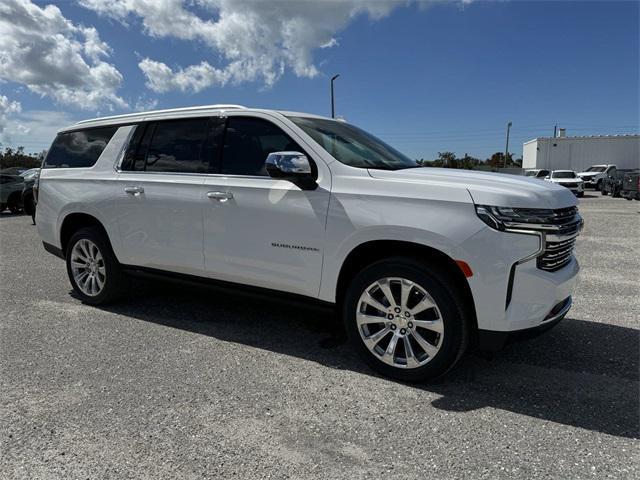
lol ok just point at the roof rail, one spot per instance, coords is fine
(220, 106)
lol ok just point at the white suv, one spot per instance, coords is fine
(419, 261)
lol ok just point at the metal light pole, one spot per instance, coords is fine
(333, 105)
(506, 150)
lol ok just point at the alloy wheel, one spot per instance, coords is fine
(87, 267)
(399, 322)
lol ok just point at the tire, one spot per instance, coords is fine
(449, 317)
(3, 207)
(599, 185)
(104, 268)
(581, 194)
(604, 192)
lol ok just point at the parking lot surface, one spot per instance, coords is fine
(185, 382)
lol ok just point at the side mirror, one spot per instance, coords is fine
(292, 166)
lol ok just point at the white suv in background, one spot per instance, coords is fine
(594, 175)
(419, 261)
(568, 179)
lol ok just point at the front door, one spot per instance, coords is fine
(258, 230)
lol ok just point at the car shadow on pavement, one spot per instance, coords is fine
(581, 373)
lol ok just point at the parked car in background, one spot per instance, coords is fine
(28, 197)
(13, 170)
(536, 173)
(418, 261)
(612, 184)
(568, 179)
(11, 187)
(631, 186)
(594, 175)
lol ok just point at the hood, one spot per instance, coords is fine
(499, 189)
(588, 174)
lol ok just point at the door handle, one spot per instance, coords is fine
(220, 196)
(134, 190)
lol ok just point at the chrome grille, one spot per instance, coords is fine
(559, 244)
(556, 255)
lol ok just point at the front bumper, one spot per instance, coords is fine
(492, 340)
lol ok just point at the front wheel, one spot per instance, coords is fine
(406, 319)
(93, 269)
(603, 192)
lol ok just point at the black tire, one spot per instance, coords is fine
(604, 192)
(581, 194)
(114, 282)
(3, 206)
(438, 284)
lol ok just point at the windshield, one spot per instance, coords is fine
(596, 169)
(353, 146)
(564, 175)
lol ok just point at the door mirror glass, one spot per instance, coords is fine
(288, 165)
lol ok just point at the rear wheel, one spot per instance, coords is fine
(406, 319)
(93, 269)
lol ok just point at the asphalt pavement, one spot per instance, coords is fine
(186, 382)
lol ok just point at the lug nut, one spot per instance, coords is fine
(390, 316)
(397, 309)
(410, 325)
(393, 326)
(403, 331)
(407, 314)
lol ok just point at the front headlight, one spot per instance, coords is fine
(502, 218)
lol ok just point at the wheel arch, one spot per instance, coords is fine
(375, 250)
(74, 222)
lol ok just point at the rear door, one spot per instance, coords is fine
(161, 194)
(258, 230)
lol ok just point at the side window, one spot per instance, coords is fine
(78, 149)
(176, 146)
(612, 172)
(136, 151)
(247, 143)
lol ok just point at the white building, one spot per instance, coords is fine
(579, 153)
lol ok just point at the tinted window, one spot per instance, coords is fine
(135, 154)
(78, 149)
(248, 141)
(176, 146)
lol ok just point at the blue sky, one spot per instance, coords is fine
(443, 77)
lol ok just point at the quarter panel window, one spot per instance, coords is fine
(176, 146)
(248, 141)
(78, 149)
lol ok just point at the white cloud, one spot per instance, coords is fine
(256, 40)
(53, 57)
(8, 108)
(35, 129)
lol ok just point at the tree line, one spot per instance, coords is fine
(449, 160)
(17, 158)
